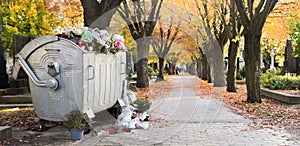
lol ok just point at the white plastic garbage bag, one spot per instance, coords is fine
(124, 118)
(143, 125)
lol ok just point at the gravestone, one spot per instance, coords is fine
(289, 60)
(272, 55)
(19, 42)
(238, 63)
(8, 65)
(3, 75)
(241, 62)
(19, 86)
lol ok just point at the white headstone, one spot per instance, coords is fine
(8, 65)
(272, 67)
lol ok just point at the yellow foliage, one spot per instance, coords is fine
(26, 17)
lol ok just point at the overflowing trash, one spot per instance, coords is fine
(95, 40)
(134, 113)
(133, 120)
(129, 119)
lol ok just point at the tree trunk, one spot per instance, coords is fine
(204, 71)
(253, 26)
(232, 52)
(199, 68)
(142, 64)
(103, 21)
(208, 72)
(161, 62)
(142, 73)
(171, 69)
(252, 65)
(91, 11)
(205, 67)
(216, 63)
(99, 14)
(191, 68)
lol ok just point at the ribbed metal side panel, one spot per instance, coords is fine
(103, 79)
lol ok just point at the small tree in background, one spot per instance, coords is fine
(163, 44)
(141, 18)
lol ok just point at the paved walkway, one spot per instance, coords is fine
(191, 120)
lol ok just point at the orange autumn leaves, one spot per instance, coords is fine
(265, 114)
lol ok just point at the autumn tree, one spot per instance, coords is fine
(294, 25)
(172, 59)
(162, 45)
(70, 12)
(141, 18)
(26, 17)
(213, 13)
(212, 48)
(253, 15)
(223, 23)
(295, 36)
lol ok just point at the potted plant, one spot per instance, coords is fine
(142, 105)
(74, 124)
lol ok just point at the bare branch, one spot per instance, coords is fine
(250, 8)
(241, 8)
(268, 7)
(259, 7)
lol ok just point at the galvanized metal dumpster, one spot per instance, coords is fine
(63, 77)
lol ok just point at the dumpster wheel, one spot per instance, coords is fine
(42, 123)
(115, 110)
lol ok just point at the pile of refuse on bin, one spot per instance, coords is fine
(100, 41)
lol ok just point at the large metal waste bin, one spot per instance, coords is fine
(63, 77)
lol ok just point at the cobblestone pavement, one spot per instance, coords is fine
(190, 120)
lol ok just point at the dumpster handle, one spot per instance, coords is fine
(29, 72)
(52, 49)
(91, 78)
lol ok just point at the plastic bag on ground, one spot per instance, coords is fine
(124, 118)
(143, 125)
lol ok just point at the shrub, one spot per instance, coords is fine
(241, 74)
(265, 78)
(151, 71)
(281, 82)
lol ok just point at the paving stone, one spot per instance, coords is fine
(5, 132)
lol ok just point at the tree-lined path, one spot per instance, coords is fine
(181, 117)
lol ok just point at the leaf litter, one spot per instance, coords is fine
(264, 115)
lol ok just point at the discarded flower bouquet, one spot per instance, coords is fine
(96, 40)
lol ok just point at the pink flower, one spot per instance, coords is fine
(119, 45)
